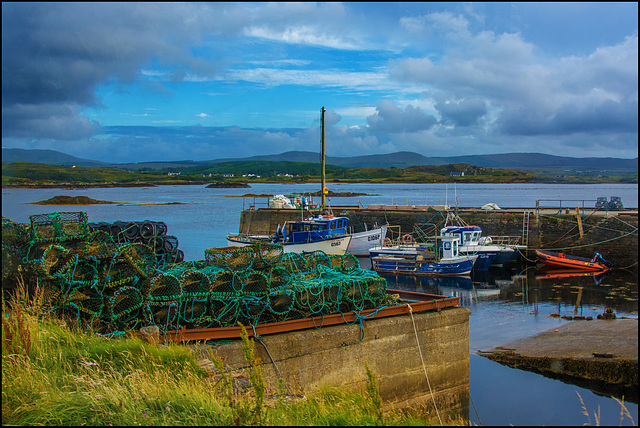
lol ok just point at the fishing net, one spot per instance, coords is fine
(232, 258)
(59, 225)
(105, 274)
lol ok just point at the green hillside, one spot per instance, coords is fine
(35, 174)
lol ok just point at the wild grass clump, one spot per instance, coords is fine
(55, 373)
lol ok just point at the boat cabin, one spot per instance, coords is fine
(447, 246)
(467, 235)
(315, 229)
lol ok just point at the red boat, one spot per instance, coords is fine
(554, 272)
(597, 263)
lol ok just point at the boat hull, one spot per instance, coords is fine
(411, 266)
(333, 246)
(362, 241)
(560, 260)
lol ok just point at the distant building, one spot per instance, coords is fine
(457, 173)
(173, 173)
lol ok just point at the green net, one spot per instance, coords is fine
(118, 285)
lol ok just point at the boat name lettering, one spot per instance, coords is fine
(373, 238)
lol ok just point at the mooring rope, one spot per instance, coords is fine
(423, 364)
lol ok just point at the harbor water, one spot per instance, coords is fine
(506, 304)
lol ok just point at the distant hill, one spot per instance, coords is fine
(50, 157)
(519, 161)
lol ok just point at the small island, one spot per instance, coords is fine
(72, 200)
(228, 185)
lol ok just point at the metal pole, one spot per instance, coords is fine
(322, 205)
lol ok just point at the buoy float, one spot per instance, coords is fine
(325, 190)
(407, 239)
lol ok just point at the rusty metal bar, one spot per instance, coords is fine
(419, 302)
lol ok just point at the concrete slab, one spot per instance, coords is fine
(601, 355)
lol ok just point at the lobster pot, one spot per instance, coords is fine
(310, 298)
(222, 282)
(163, 288)
(278, 278)
(192, 310)
(81, 273)
(231, 258)
(165, 315)
(315, 259)
(281, 302)
(131, 231)
(177, 255)
(170, 243)
(14, 235)
(88, 300)
(125, 304)
(118, 273)
(55, 259)
(99, 245)
(266, 255)
(254, 283)
(251, 309)
(224, 311)
(148, 229)
(140, 257)
(292, 262)
(117, 229)
(349, 261)
(194, 284)
(58, 225)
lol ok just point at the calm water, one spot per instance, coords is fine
(506, 304)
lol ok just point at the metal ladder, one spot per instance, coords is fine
(525, 228)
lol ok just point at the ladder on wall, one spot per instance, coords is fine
(525, 228)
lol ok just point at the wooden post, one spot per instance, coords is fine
(575, 311)
(322, 205)
(579, 222)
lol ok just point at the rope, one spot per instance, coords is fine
(423, 364)
(474, 408)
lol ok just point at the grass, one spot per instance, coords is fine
(55, 373)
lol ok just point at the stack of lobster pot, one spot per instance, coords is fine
(151, 233)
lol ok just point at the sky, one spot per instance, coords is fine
(138, 82)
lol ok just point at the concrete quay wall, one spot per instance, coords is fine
(335, 356)
(613, 234)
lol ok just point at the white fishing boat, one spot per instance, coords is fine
(361, 242)
(442, 260)
(324, 233)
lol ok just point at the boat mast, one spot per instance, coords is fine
(322, 205)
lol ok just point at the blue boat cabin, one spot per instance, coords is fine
(316, 229)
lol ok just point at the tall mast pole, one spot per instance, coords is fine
(322, 171)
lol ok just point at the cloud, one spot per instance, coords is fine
(391, 119)
(526, 94)
(465, 112)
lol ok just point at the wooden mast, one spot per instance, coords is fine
(322, 205)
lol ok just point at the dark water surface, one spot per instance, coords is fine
(506, 304)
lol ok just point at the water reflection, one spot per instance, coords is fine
(529, 285)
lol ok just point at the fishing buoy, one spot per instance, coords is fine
(325, 190)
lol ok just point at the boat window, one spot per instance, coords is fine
(467, 236)
(447, 245)
(476, 235)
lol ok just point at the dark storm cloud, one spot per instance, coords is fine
(54, 55)
(462, 112)
(391, 119)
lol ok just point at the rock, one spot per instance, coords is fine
(150, 334)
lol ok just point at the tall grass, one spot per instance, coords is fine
(62, 375)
